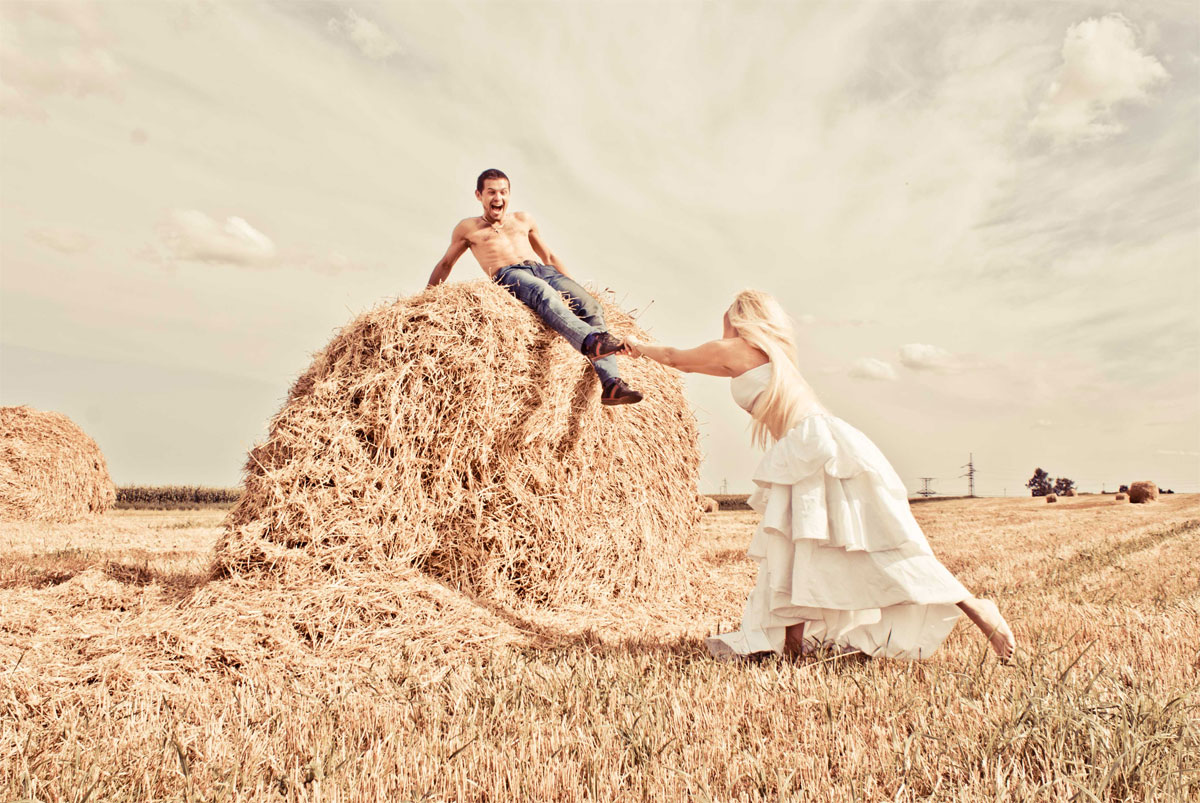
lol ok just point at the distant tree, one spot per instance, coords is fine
(1062, 485)
(1124, 489)
(1039, 484)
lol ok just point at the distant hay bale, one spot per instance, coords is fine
(709, 505)
(1142, 492)
(1120, 497)
(1051, 497)
(453, 433)
(50, 469)
(1069, 492)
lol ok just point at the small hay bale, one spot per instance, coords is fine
(709, 505)
(50, 470)
(1142, 492)
(453, 433)
(1069, 492)
(1051, 498)
(1120, 497)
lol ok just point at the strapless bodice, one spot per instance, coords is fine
(747, 385)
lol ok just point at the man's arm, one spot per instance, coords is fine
(540, 247)
(458, 246)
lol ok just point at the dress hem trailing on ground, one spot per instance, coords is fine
(838, 549)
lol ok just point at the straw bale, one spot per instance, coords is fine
(1051, 497)
(709, 505)
(1120, 497)
(50, 469)
(1142, 492)
(1069, 492)
(453, 433)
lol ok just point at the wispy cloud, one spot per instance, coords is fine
(872, 368)
(365, 34)
(1102, 68)
(79, 65)
(64, 241)
(923, 357)
(189, 235)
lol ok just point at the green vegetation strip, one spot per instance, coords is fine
(175, 497)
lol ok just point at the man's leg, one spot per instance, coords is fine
(531, 286)
(588, 309)
(543, 299)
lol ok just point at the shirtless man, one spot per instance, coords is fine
(508, 247)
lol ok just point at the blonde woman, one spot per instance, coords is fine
(841, 560)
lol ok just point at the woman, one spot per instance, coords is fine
(841, 560)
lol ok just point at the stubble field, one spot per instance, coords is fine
(126, 675)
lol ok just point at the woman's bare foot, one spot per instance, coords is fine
(987, 617)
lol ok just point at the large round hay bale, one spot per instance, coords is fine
(1141, 492)
(1051, 497)
(709, 505)
(452, 432)
(50, 469)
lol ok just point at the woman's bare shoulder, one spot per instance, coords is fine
(743, 355)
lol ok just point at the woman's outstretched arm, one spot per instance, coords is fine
(715, 358)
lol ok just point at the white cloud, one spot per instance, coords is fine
(1043, 423)
(871, 368)
(373, 42)
(923, 357)
(65, 241)
(67, 59)
(1102, 68)
(188, 235)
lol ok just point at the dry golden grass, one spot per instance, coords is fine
(126, 675)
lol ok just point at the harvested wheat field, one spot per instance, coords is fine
(50, 469)
(127, 674)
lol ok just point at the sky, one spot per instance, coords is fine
(984, 218)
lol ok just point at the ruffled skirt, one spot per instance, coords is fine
(838, 549)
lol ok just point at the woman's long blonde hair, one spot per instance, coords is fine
(760, 321)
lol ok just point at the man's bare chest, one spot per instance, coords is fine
(508, 234)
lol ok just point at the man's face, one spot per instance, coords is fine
(494, 197)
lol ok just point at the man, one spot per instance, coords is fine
(511, 252)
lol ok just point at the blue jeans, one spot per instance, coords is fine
(562, 304)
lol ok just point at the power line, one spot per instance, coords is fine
(926, 490)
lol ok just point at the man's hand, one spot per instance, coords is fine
(633, 348)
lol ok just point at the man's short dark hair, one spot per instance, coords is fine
(491, 172)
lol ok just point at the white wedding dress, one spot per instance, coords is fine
(837, 548)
